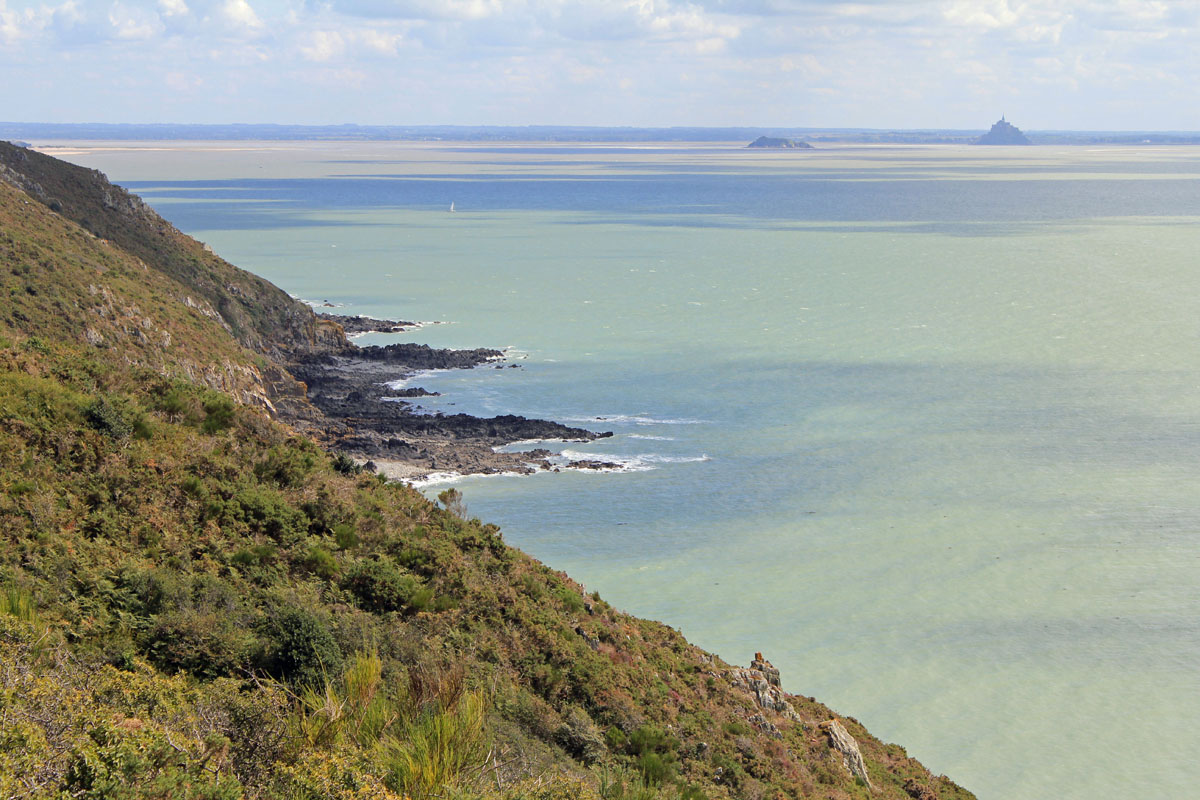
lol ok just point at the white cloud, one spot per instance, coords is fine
(380, 42)
(182, 82)
(420, 9)
(133, 23)
(10, 24)
(172, 8)
(323, 45)
(239, 15)
(881, 62)
(991, 14)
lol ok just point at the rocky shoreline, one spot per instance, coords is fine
(371, 422)
(358, 324)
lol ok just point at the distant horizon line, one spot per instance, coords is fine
(287, 131)
(573, 126)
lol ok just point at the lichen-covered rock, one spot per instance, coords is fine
(762, 681)
(769, 671)
(841, 740)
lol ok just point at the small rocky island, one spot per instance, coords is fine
(778, 143)
(1003, 132)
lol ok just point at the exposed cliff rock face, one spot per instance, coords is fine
(1003, 132)
(762, 681)
(769, 671)
(844, 743)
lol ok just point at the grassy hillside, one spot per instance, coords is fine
(197, 601)
(259, 314)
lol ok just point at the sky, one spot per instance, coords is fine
(1046, 65)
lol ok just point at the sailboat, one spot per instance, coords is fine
(451, 206)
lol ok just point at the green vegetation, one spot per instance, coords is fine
(197, 602)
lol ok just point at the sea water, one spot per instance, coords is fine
(920, 423)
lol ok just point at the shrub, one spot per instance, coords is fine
(354, 706)
(206, 645)
(655, 768)
(194, 487)
(302, 649)
(265, 511)
(649, 739)
(106, 419)
(580, 737)
(328, 775)
(174, 402)
(285, 466)
(570, 599)
(218, 414)
(320, 562)
(129, 759)
(452, 499)
(345, 536)
(256, 556)
(142, 427)
(345, 465)
(380, 586)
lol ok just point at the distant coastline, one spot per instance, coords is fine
(47, 131)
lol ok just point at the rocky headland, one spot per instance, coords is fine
(313, 376)
(365, 418)
(356, 324)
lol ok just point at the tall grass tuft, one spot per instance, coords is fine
(354, 706)
(16, 602)
(442, 748)
(372, 712)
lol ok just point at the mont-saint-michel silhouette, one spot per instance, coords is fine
(1003, 132)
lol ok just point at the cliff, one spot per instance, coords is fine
(198, 601)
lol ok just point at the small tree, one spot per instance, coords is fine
(452, 499)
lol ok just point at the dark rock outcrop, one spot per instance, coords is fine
(589, 463)
(360, 324)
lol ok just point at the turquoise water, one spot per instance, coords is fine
(922, 424)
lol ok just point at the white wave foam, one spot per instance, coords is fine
(435, 479)
(401, 383)
(637, 419)
(317, 304)
(409, 328)
(650, 438)
(504, 448)
(442, 478)
(641, 462)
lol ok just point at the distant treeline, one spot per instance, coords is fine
(552, 133)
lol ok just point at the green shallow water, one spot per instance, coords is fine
(921, 424)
